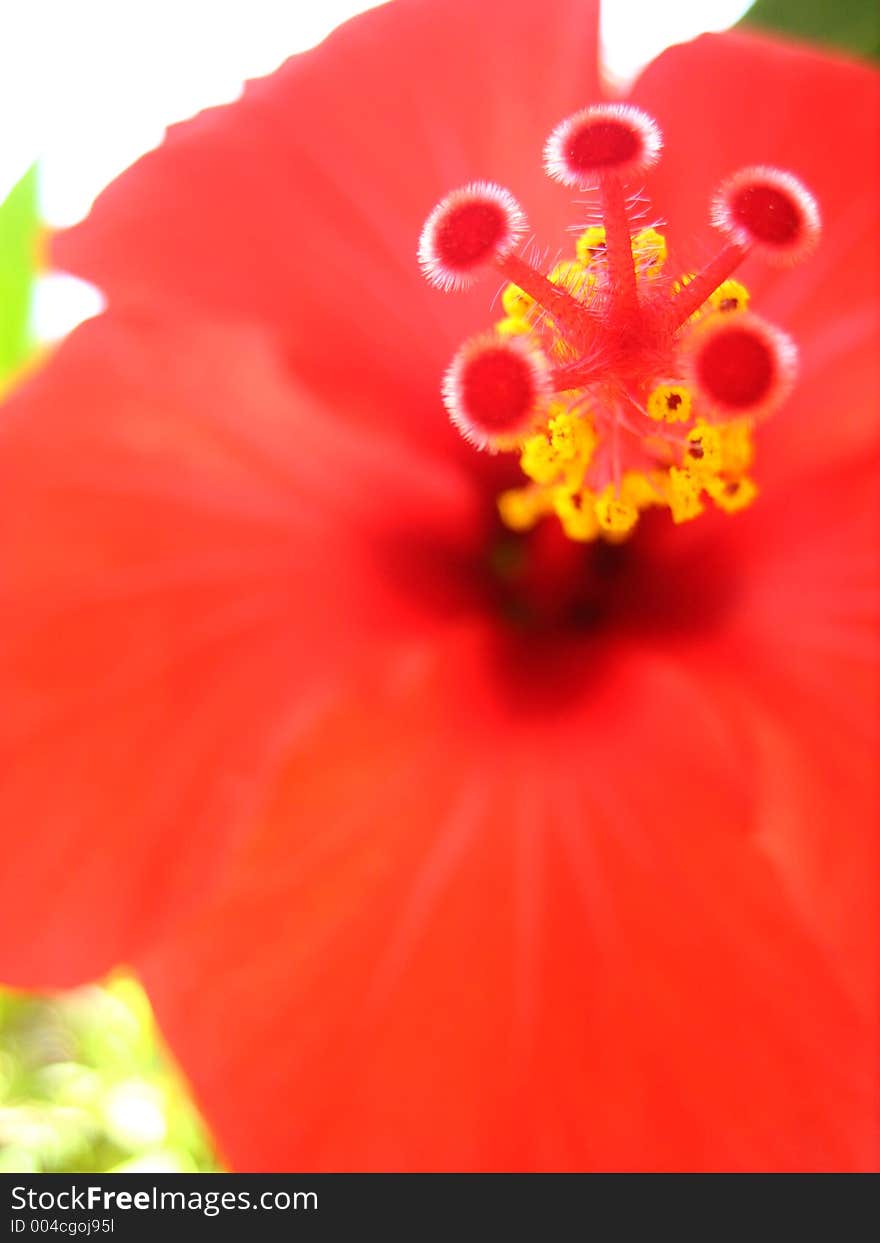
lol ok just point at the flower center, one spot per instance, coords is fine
(621, 388)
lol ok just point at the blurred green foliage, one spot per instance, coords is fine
(853, 25)
(85, 1086)
(20, 239)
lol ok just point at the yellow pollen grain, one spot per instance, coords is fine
(683, 494)
(737, 450)
(562, 453)
(729, 296)
(702, 454)
(577, 513)
(650, 251)
(732, 495)
(573, 437)
(571, 276)
(590, 245)
(516, 302)
(615, 514)
(640, 491)
(670, 403)
(538, 460)
(512, 327)
(521, 508)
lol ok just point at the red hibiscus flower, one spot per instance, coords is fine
(438, 845)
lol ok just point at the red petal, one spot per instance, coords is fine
(726, 101)
(531, 942)
(806, 632)
(302, 204)
(190, 553)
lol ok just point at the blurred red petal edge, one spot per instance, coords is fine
(312, 228)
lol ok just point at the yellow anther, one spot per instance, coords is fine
(564, 432)
(683, 494)
(640, 491)
(590, 245)
(732, 495)
(702, 454)
(539, 460)
(649, 251)
(615, 514)
(670, 403)
(521, 508)
(737, 450)
(516, 303)
(573, 437)
(577, 513)
(562, 453)
(571, 276)
(729, 296)
(512, 327)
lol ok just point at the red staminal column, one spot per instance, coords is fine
(607, 145)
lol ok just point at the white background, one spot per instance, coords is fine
(86, 86)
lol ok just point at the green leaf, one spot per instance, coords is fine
(19, 242)
(853, 25)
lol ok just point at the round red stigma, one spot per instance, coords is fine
(494, 389)
(770, 211)
(605, 139)
(740, 364)
(468, 230)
